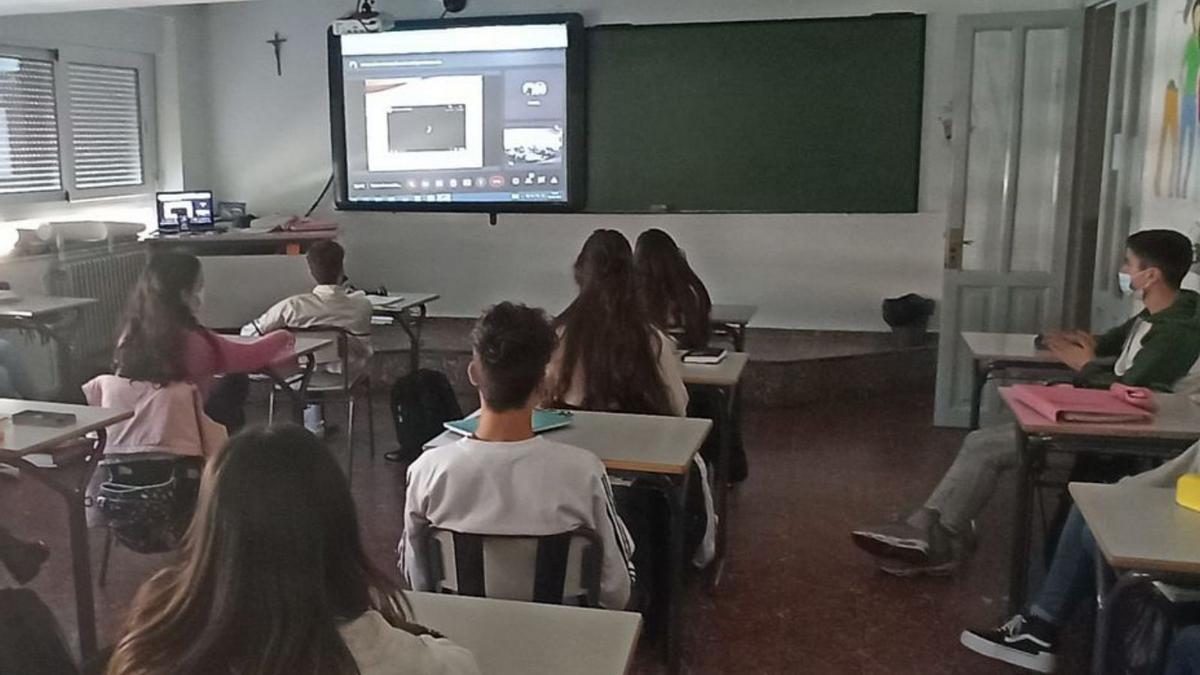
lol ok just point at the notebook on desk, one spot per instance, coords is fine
(543, 420)
(1084, 406)
(708, 356)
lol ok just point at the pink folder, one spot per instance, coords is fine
(1118, 405)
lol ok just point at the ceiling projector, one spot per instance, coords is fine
(365, 20)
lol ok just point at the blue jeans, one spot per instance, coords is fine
(15, 381)
(1072, 576)
(1184, 657)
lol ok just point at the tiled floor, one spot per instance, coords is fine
(797, 596)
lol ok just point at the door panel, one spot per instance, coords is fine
(1016, 102)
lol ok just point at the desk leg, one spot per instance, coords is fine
(299, 395)
(81, 563)
(721, 489)
(1019, 565)
(1101, 628)
(413, 330)
(978, 382)
(739, 337)
(677, 500)
(1105, 601)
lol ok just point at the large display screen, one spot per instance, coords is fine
(460, 115)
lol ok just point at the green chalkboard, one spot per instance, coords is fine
(807, 116)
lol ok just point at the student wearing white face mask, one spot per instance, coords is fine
(1159, 348)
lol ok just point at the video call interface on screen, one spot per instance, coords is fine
(184, 211)
(459, 114)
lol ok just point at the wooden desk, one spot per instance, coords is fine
(995, 352)
(19, 442)
(522, 638)
(722, 380)
(732, 320)
(1140, 532)
(657, 450)
(410, 312)
(1141, 528)
(242, 242)
(54, 318)
(1174, 428)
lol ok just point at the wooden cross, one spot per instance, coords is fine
(277, 43)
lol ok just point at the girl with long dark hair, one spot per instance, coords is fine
(273, 579)
(610, 356)
(161, 341)
(674, 297)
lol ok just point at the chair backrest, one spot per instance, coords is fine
(340, 353)
(556, 569)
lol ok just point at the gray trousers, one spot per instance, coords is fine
(971, 480)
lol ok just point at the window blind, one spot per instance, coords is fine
(106, 125)
(29, 149)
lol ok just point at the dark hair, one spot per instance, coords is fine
(272, 563)
(606, 337)
(513, 344)
(1171, 252)
(326, 262)
(673, 295)
(153, 336)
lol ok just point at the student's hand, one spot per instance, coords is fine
(1072, 338)
(1074, 354)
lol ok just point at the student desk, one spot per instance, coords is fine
(1174, 428)
(69, 479)
(520, 638)
(995, 352)
(722, 379)
(658, 451)
(54, 318)
(305, 350)
(409, 310)
(731, 320)
(1140, 532)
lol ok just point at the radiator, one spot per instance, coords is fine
(108, 274)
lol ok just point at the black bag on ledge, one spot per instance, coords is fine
(421, 403)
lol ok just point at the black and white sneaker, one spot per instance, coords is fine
(894, 541)
(1024, 642)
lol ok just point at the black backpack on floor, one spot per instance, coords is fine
(421, 403)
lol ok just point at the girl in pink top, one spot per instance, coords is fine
(162, 342)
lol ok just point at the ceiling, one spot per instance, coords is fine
(9, 7)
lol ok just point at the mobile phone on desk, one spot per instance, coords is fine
(43, 418)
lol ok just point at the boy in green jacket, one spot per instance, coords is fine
(1159, 348)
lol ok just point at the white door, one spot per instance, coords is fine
(1015, 109)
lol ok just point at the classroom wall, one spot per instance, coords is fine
(269, 146)
(1163, 206)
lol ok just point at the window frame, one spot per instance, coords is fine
(42, 196)
(61, 56)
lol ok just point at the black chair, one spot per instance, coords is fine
(557, 569)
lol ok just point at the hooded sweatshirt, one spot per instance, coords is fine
(1159, 351)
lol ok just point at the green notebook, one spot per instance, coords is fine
(543, 420)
